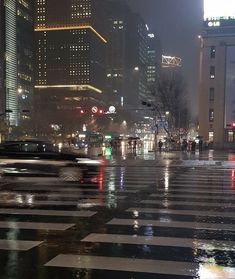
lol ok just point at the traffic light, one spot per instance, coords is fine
(82, 111)
(233, 125)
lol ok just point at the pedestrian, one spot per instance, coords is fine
(184, 145)
(193, 146)
(160, 144)
(200, 144)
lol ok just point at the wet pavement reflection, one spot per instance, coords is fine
(168, 215)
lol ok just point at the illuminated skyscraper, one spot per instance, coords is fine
(127, 55)
(16, 68)
(70, 60)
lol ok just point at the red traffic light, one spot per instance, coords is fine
(101, 111)
(82, 111)
(233, 124)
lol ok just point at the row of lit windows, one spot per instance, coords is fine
(40, 74)
(42, 82)
(118, 27)
(41, 18)
(24, 3)
(41, 10)
(80, 32)
(41, 2)
(79, 72)
(24, 77)
(114, 75)
(81, 15)
(23, 14)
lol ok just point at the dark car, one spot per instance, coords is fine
(43, 159)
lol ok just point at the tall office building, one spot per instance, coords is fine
(127, 56)
(16, 66)
(70, 52)
(153, 66)
(217, 87)
(2, 95)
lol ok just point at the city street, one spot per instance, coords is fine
(164, 215)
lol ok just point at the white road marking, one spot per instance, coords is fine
(172, 224)
(35, 226)
(162, 241)
(18, 245)
(41, 212)
(125, 264)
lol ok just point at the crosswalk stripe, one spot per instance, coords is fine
(76, 190)
(41, 212)
(181, 212)
(208, 203)
(35, 226)
(208, 191)
(161, 241)
(59, 195)
(199, 182)
(18, 245)
(196, 196)
(200, 186)
(57, 203)
(172, 224)
(125, 264)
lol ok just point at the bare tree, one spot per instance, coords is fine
(171, 95)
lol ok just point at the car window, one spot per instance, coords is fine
(29, 147)
(10, 148)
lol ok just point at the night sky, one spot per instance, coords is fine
(178, 23)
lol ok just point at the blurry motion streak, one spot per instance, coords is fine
(101, 179)
(232, 179)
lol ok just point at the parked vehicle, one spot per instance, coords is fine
(33, 158)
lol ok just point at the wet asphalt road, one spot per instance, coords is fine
(167, 217)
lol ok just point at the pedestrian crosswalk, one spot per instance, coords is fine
(18, 245)
(136, 222)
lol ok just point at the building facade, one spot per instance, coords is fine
(16, 68)
(153, 65)
(70, 56)
(127, 56)
(217, 87)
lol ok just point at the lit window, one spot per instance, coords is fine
(213, 51)
(212, 72)
(230, 136)
(211, 115)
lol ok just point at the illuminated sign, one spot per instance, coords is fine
(219, 10)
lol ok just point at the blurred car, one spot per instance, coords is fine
(43, 159)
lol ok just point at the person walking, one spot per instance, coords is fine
(160, 144)
(193, 146)
(200, 144)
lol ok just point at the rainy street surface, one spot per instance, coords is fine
(161, 216)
